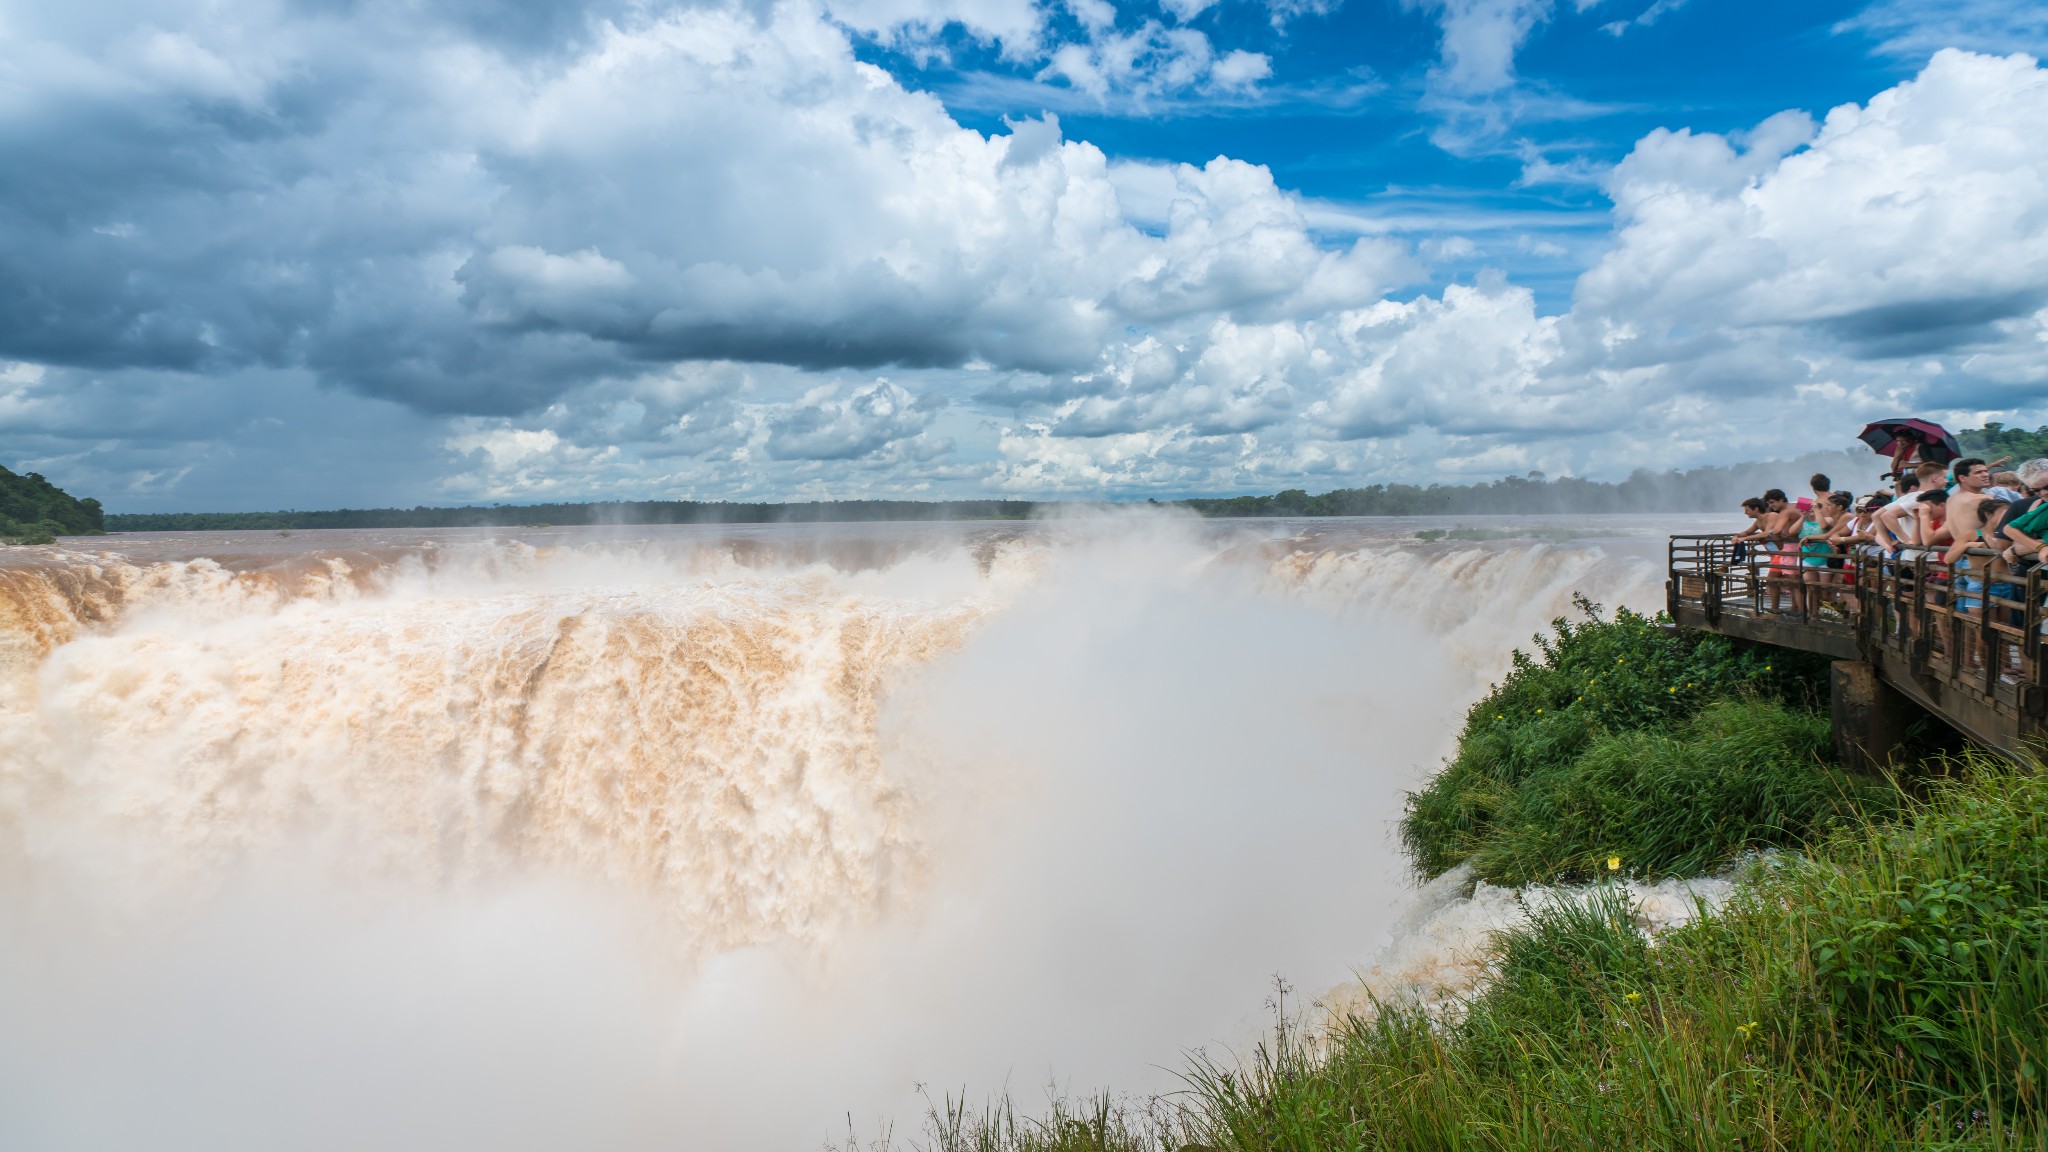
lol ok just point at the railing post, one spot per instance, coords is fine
(1923, 645)
(1989, 678)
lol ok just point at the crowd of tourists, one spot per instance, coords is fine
(1983, 525)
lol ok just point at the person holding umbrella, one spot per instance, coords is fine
(1905, 438)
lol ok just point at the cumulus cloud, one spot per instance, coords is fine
(1153, 61)
(1789, 278)
(446, 226)
(1911, 225)
(825, 426)
(645, 250)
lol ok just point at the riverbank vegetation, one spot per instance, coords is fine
(35, 511)
(1879, 980)
(1675, 750)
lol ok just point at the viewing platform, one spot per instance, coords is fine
(1900, 629)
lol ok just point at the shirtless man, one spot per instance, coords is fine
(1754, 509)
(1780, 523)
(1966, 519)
(1966, 507)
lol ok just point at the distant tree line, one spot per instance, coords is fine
(1994, 440)
(35, 511)
(31, 507)
(1711, 489)
(610, 512)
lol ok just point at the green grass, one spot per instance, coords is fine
(1739, 776)
(1623, 737)
(1888, 991)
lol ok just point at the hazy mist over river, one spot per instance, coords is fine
(709, 837)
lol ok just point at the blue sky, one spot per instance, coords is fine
(277, 253)
(1345, 117)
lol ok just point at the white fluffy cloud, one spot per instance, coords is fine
(467, 230)
(639, 249)
(1913, 226)
(1766, 290)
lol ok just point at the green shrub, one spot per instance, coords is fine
(1552, 742)
(1741, 775)
(1930, 940)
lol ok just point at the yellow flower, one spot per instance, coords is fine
(1671, 689)
(1635, 997)
(1614, 863)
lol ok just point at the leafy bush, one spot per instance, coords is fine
(1741, 775)
(1597, 746)
(1930, 941)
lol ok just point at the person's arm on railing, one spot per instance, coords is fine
(2022, 544)
(1885, 528)
(1930, 532)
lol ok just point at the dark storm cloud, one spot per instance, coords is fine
(1923, 327)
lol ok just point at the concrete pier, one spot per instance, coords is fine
(1870, 716)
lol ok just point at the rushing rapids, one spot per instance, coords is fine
(899, 757)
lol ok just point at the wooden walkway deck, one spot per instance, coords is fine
(1970, 655)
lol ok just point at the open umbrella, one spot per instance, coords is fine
(1935, 442)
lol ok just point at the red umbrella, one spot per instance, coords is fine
(1935, 442)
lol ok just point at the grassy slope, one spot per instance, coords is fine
(1882, 984)
(1890, 991)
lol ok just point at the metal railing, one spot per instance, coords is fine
(1964, 640)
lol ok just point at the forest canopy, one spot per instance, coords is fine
(33, 510)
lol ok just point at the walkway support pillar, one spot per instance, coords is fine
(1870, 716)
